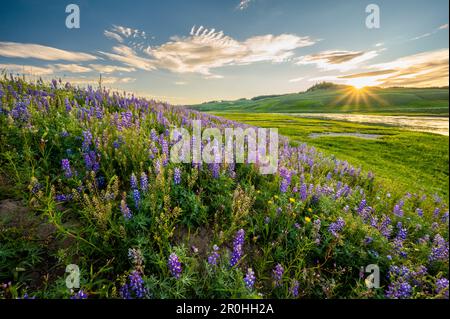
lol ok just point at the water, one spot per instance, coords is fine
(437, 125)
(360, 135)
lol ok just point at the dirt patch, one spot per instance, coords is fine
(200, 239)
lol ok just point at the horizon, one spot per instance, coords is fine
(227, 50)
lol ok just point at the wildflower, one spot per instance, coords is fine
(87, 139)
(125, 210)
(336, 227)
(137, 284)
(144, 182)
(66, 168)
(278, 274)
(294, 288)
(307, 219)
(177, 176)
(20, 112)
(136, 197)
(439, 251)
(174, 265)
(292, 200)
(237, 247)
(399, 290)
(133, 181)
(442, 287)
(214, 257)
(80, 294)
(398, 211)
(250, 278)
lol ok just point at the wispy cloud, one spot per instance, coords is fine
(341, 60)
(206, 49)
(180, 83)
(27, 69)
(425, 35)
(243, 4)
(429, 68)
(113, 35)
(42, 52)
(128, 56)
(296, 80)
(110, 68)
(71, 68)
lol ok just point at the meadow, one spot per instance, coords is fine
(85, 179)
(407, 160)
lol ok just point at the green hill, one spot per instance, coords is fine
(332, 98)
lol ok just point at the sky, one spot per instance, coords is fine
(188, 52)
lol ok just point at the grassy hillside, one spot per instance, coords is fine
(393, 101)
(85, 179)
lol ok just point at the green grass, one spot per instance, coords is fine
(393, 101)
(403, 159)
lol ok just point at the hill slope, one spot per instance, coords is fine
(338, 99)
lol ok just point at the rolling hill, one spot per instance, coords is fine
(330, 98)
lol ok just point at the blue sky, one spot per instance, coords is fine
(194, 51)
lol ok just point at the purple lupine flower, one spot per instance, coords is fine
(87, 139)
(303, 192)
(419, 212)
(294, 288)
(214, 257)
(336, 227)
(133, 181)
(238, 244)
(278, 274)
(66, 168)
(136, 197)
(399, 290)
(68, 106)
(137, 284)
(174, 266)
(144, 182)
(439, 251)
(398, 209)
(177, 176)
(20, 112)
(442, 287)
(80, 294)
(250, 278)
(125, 209)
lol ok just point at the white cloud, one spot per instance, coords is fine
(296, 80)
(243, 4)
(113, 35)
(107, 80)
(37, 51)
(110, 68)
(206, 49)
(129, 57)
(341, 60)
(424, 69)
(180, 83)
(72, 68)
(128, 32)
(26, 69)
(425, 35)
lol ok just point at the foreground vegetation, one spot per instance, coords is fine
(85, 180)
